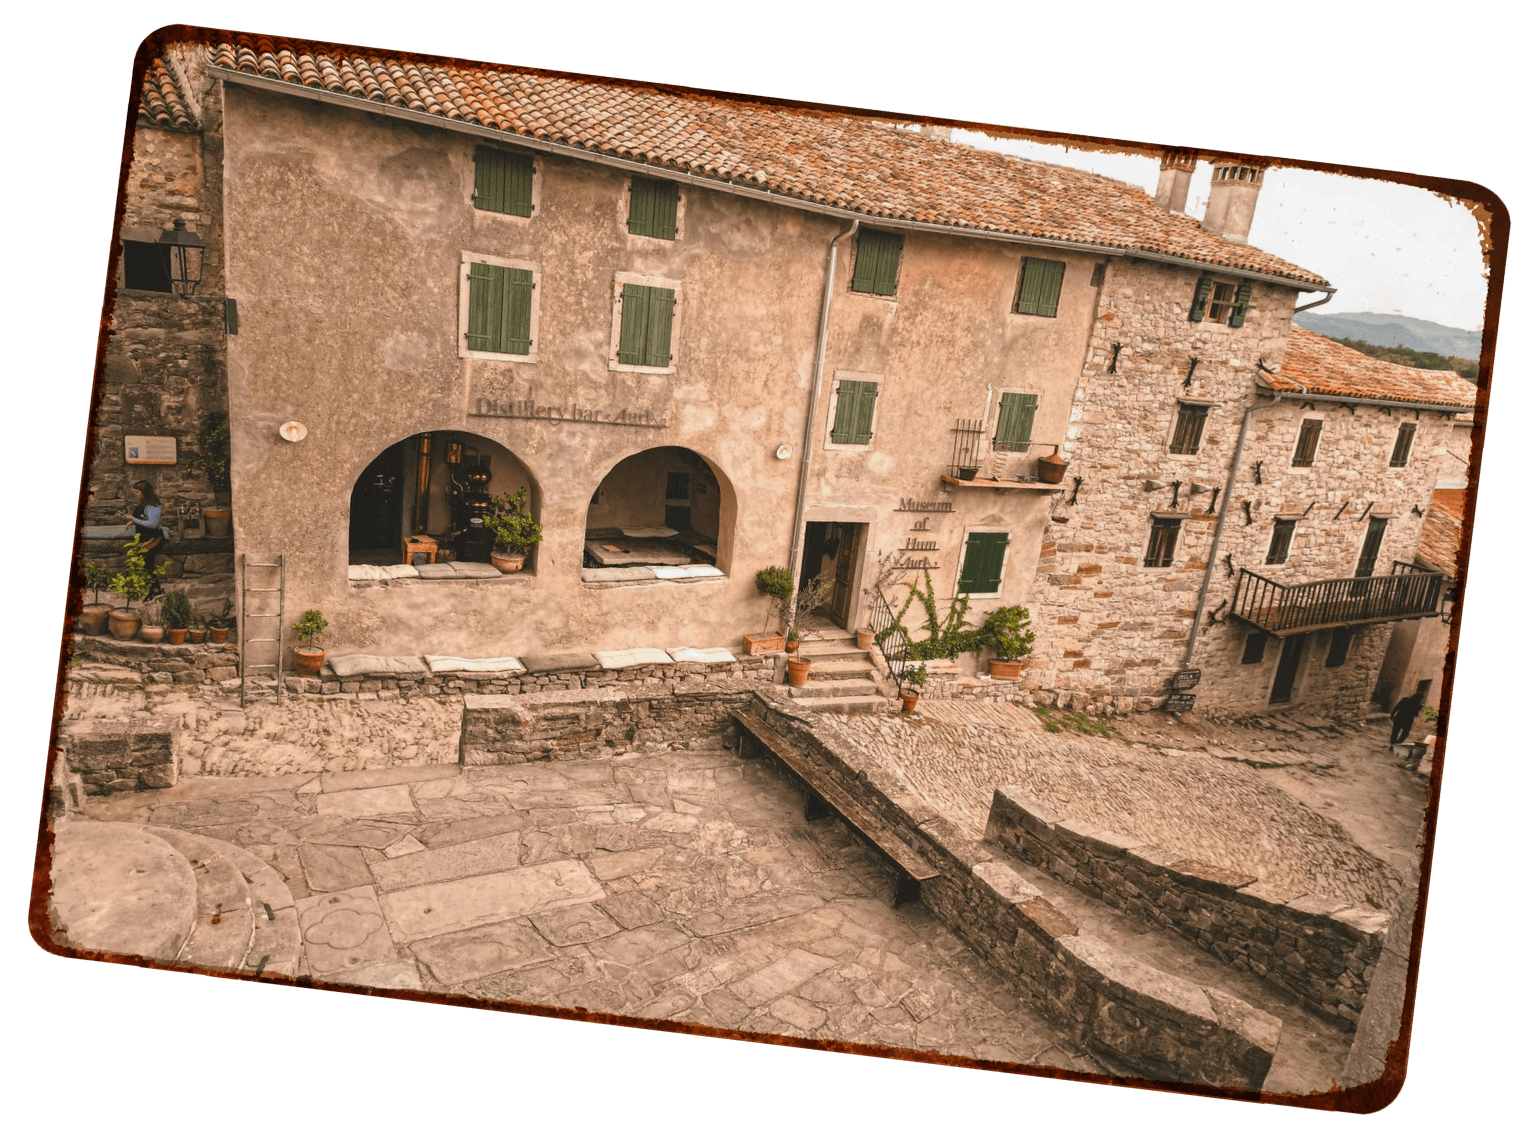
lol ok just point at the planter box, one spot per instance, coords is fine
(763, 643)
(1005, 669)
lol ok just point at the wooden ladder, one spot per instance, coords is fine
(264, 612)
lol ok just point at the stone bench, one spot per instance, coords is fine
(825, 795)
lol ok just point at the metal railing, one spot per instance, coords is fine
(1283, 609)
(895, 644)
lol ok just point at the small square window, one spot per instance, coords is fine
(504, 182)
(854, 412)
(1308, 443)
(1255, 648)
(1282, 541)
(678, 487)
(1403, 439)
(1017, 412)
(1222, 302)
(654, 208)
(1341, 644)
(646, 325)
(983, 563)
(1162, 542)
(876, 263)
(1190, 420)
(147, 266)
(501, 309)
(1041, 282)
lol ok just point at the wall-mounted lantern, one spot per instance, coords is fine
(186, 257)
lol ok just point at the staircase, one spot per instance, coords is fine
(172, 896)
(843, 678)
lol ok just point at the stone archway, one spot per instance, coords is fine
(667, 503)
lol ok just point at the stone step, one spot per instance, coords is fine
(222, 932)
(120, 890)
(843, 670)
(816, 687)
(857, 704)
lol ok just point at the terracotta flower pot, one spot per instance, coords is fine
(196, 635)
(123, 623)
(1005, 669)
(152, 633)
(1050, 470)
(216, 522)
(864, 638)
(967, 473)
(176, 635)
(792, 646)
(508, 562)
(910, 702)
(308, 661)
(797, 669)
(218, 635)
(93, 619)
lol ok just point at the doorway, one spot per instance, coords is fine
(832, 548)
(1288, 668)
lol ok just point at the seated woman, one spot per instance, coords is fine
(145, 519)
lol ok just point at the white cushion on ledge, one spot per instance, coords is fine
(400, 572)
(461, 664)
(363, 664)
(702, 655)
(629, 573)
(365, 572)
(686, 572)
(639, 531)
(632, 658)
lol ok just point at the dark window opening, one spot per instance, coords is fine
(1341, 643)
(1282, 541)
(1189, 423)
(1162, 542)
(1309, 441)
(1403, 440)
(147, 266)
(1255, 648)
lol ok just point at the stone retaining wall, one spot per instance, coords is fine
(690, 676)
(1119, 1008)
(163, 663)
(592, 722)
(120, 755)
(1321, 951)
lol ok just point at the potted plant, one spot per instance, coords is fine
(213, 461)
(515, 528)
(309, 656)
(133, 584)
(1008, 631)
(793, 640)
(219, 628)
(93, 617)
(153, 629)
(915, 676)
(196, 631)
(177, 614)
(888, 572)
(776, 583)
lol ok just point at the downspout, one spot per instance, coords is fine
(1218, 529)
(1329, 294)
(814, 401)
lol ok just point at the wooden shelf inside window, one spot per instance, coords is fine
(1012, 484)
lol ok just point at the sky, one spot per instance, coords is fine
(1387, 247)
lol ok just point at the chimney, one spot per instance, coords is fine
(1176, 169)
(934, 131)
(1232, 201)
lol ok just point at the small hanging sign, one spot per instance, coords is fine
(1180, 702)
(140, 450)
(1185, 678)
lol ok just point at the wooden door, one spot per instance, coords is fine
(844, 573)
(1288, 667)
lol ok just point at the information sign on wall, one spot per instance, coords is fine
(139, 450)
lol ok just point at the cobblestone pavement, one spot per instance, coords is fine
(1220, 811)
(683, 886)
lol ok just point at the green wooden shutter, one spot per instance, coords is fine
(1200, 299)
(983, 562)
(1241, 305)
(504, 183)
(865, 412)
(845, 410)
(654, 208)
(633, 325)
(876, 263)
(517, 305)
(1017, 412)
(485, 307)
(1041, 283)
(659, 326)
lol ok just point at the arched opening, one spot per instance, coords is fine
(435, 486)
(667, 510)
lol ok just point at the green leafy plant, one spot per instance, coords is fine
(1056, 720)
(213, 456)
(1008, 631)
(309, 626)
(777, 584)
(515, 527)
(134, 583)
(1429, 714)
(916, 676)
(97, 577)
(793, 635)
(950, 635)
(176, 610)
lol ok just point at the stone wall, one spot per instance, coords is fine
(1321, 952)
(163, 663)
(1110, 631)
(119, 755)
(1122, 1010)
(595, 722)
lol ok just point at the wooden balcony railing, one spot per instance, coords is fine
(1283, 609)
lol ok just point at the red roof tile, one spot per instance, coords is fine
(851, 162)
(1443, 532)
(1315, 364)
(160, 99)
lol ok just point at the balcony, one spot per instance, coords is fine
(1283, 609)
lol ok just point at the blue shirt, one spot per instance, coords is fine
(151, 519)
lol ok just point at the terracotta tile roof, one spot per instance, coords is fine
(850, 162)
(160, 99)
(1315, 364)
(1443, 532)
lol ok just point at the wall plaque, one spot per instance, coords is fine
(532, 410)
(140, 450)
(1180, 702)
(1185, 678)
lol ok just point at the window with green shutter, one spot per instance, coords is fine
(876, 263)
(654, 208)
(646, 325)
(854, 412)
(1016, 413)
(983, 563)
(504, 182)
(1041, 281)
(1199, 309)
(501, 305)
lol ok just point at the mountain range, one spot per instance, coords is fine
(1395, 330)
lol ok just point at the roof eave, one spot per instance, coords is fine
(1304, 394)
(322, 95)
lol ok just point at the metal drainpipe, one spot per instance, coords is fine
(813, 402)
(1218, 529)
(1329, 294)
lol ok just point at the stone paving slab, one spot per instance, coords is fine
(333, 868)
(344, 931)
(384, 777)
(441, 864)
(364, 802)
(482, 950)
(439, 908)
